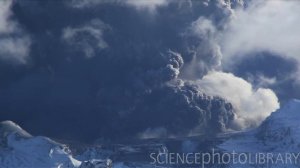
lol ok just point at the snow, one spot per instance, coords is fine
(7, 127)
(19, 149)
(278, 134)
(35, 152)
(280, 128)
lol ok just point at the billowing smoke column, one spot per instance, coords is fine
(116, 69)
(252, 105)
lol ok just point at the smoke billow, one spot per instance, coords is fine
(252, 105)
(273, 22)
(83, 38)
(206, 53)
(260, 37)
(14, 43)
(124, 69)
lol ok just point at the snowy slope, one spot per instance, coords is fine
(278, 134)
(19, 149)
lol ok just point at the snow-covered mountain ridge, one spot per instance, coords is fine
(19, 149)
(278, 135)
(279, 132)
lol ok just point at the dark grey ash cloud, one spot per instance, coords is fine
(116, 70)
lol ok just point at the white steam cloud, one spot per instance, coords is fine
(6, 26)
(252, 106)
(207, 53)
(14, 44)
(271, 26)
